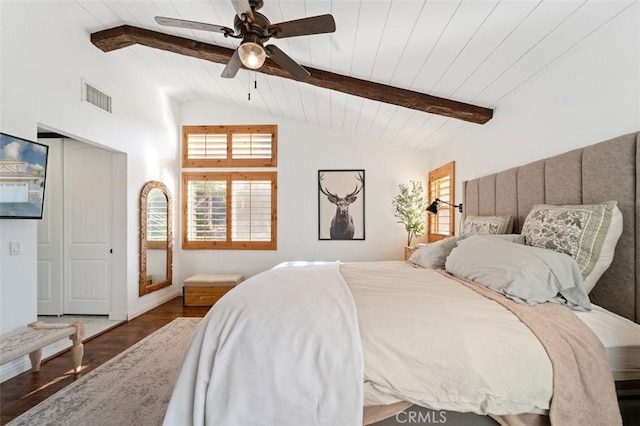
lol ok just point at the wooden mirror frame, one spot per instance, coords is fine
(144, 287)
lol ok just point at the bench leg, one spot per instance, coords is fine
(77, 352)
(36, 357)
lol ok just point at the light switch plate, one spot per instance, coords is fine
(14, 248)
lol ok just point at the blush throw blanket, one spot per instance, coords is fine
(282, 348)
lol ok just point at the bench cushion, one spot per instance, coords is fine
(28, 339)
(204, 280)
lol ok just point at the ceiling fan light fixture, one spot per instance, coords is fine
(255, 29)
(252, 55)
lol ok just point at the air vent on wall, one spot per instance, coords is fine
(96, 96)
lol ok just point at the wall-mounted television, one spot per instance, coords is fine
(23, 171)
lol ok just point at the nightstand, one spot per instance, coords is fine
(206, 289)
(408, 251)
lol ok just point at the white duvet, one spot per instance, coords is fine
(285, 348)
(434, 342)
(282, 348)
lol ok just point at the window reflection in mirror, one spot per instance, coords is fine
(155, 237)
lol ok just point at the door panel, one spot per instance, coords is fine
(87, 274)
(50, 235)
(89, 278)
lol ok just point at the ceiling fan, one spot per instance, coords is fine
(255, 29)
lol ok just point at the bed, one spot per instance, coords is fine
(308, 343)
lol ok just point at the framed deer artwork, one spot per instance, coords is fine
(341, 204)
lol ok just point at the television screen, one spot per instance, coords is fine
(23, 170)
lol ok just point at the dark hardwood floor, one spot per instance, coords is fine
(26, 390)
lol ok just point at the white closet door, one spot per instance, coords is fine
(87, 228)
(50, 235)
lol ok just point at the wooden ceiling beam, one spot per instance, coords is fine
(126, 35)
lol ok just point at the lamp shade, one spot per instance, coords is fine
(433, 207)
(252, 55)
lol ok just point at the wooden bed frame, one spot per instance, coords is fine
(608, 170)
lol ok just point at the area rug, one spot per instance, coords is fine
(133, 388)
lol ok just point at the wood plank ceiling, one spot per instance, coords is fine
(475, 52)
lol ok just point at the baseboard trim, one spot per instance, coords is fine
(15, 367)
(153, 304)
(117, 316)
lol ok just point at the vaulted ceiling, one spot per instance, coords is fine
(471, 52)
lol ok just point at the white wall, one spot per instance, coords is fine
(302, 151)
(17, 273)
(43, 61)
(590, 95)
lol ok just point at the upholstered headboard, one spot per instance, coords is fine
(609, 170)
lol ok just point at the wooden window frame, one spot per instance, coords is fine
(229, 177)
(448, 169)
(229, 131)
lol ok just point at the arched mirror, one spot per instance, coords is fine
(156, 237)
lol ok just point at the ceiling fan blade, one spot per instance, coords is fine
(243, 7)
(320, 24)
(288, 64)
(192, 25)
(233, 66)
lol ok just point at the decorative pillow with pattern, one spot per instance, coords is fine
(579, 231)
(487, 225)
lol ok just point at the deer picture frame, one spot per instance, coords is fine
(341, 204)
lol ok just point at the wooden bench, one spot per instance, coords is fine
(31, 339)
(206, 289)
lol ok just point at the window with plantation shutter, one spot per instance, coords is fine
(229, 146)
(251, 210)
(229, 209)
(202, 146)
(441, 185)
(251, 145)
(235, 210)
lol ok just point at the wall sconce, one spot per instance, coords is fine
(433, 207)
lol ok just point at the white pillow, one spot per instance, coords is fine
(523, 273)
(588, 233)
(511, 238)
(433, 255)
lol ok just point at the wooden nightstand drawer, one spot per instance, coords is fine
(206, 289)
(204, 296)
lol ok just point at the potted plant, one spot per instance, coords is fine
(410, 205)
